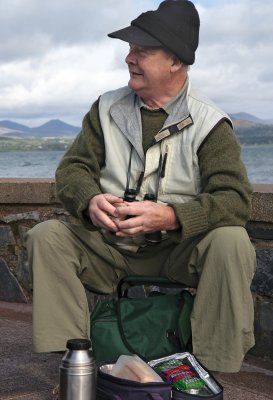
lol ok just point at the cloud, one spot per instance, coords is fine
(235, 54)
(31, 27)
(63, 79)
(56, 58)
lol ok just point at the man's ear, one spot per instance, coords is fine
(176, 65)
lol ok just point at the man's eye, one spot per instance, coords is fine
(143, 52)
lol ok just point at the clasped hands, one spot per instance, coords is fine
(106, 211)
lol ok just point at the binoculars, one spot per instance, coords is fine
(130, 195)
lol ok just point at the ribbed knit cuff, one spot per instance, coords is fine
(81, 202)
(192, 219)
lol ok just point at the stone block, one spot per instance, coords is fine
(27, 191)
(32, 215)
(263, 328)
(260, 232)
(6, 236)
(263, 279)
(262, 203)
(22, 230)
(10, 290)
(22, 271)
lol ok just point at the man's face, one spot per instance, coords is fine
(149, 70)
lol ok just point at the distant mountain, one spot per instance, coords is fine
(249, 118)
(245, 117)
(13, 126)
(52, 128)
(249, 129)
(56, 127)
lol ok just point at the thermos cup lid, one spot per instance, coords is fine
(78, 344)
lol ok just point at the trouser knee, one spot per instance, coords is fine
(43, 233)
(41, 243)
(229, 238)
(228, 247)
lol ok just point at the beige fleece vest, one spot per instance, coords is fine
(181, 181)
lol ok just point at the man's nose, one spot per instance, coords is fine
(131, 57)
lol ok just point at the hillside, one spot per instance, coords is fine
(249, 118)
(252, 131)
(249, 129)
(53, 128)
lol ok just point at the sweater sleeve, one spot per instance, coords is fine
(77, 175)
(224, 199)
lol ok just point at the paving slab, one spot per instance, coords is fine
(25, 375)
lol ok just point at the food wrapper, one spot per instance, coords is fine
(134, 369)
(185, 374)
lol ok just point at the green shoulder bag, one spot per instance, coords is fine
(151, 327)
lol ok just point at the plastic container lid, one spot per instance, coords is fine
(78, 344)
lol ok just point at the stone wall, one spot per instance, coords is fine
(26, 202)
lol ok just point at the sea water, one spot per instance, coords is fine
(29, 164)
(42, 164)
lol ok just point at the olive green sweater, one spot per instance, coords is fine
(225, 196)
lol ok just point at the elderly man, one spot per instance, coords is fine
(159, 137)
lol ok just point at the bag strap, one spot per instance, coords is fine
(138, 280)
(184, 320)
(121, 331)
(183, 340)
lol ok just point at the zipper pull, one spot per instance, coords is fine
(162, 175)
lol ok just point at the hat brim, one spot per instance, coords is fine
(133, 34)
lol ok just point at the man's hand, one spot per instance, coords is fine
(146, 217)
(101, 209)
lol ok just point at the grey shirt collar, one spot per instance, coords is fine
(176, 108)
(126, 114)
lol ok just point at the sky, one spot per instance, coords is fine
(56, 58)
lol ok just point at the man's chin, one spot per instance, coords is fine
(135, 86)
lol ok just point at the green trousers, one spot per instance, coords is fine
(66, 258)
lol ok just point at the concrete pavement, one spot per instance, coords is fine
(28, 376)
